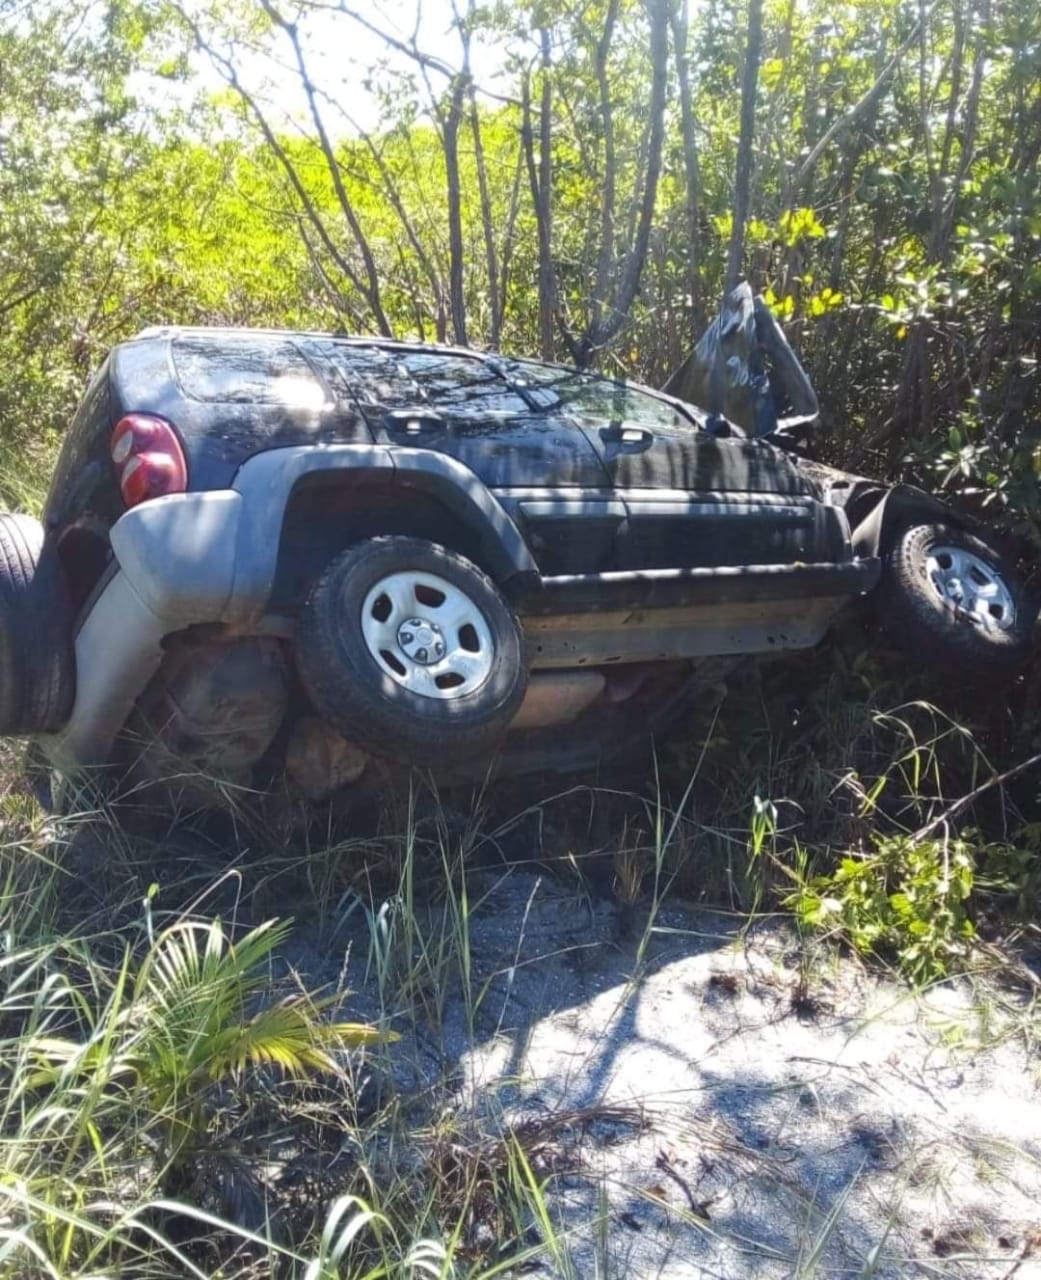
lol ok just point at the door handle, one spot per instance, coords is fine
(414, 422)
(619, 433)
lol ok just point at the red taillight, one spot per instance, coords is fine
(148, 458)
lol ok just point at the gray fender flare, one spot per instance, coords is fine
(502, 546)
(900, 506)
(266, 482)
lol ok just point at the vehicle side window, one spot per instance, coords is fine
(463, 387)
(373, 377)
(596, 402)
(227, 370)
(459, 386)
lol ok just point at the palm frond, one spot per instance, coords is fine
(186, 1023)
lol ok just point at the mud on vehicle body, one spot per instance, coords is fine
(284, 553)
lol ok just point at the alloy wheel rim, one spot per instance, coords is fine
(427, 635)
(972, 586)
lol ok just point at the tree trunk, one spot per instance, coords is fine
(743, 177)
(450, 140)
(540, 181)
(692, 172)
(491, 258)
(607, 185)
(597, 335)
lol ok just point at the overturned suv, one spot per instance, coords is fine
(272, 555)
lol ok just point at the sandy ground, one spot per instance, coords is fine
(703, 1098)
(726, 1103)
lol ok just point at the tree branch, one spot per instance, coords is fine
(372, 284)
(952, 811)
(863, 104)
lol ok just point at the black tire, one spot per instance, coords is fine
(925, 621)
(37, 663)
(360, 694)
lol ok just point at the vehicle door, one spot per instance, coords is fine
(693, 499)
(540, 465)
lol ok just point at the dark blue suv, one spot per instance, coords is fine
(298, 553)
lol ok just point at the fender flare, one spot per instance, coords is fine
(502, 547)
(266, 482)
(896, 508)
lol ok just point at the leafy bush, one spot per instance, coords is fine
(908, 901)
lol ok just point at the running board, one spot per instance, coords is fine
(669, 588)
(711, 612)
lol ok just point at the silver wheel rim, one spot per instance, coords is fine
(972, 586)
(427, 635)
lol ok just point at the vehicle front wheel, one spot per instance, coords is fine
(952, 601)
(411, 652)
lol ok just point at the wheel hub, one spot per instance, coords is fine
(422, 641)
(427, 635)
(975, 588)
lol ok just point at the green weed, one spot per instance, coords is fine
(906, 900)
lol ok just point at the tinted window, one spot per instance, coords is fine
(246, 371)
(459, 386)
(462, 386)
(593, 401)
(373, 377)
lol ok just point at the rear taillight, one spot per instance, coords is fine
(148, 458)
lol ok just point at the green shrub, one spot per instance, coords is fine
(907, 901)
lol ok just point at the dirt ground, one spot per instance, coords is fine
(722, 1101)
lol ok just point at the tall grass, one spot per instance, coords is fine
(151, 1075)
(126, 1061)
(24, 474)
(154, 1073)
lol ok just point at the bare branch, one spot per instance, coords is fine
(226, 68)
(952, 811)
(409, 48)
(863, 104)
(372, 285)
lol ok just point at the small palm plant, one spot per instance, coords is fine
(191, 1018)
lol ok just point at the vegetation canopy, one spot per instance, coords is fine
(555, 180)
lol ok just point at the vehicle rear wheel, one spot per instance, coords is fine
(37, 663)
(953, 601)
(411, 652)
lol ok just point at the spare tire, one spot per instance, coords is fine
(37, 662)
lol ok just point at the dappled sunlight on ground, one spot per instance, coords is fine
(719, 1100)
